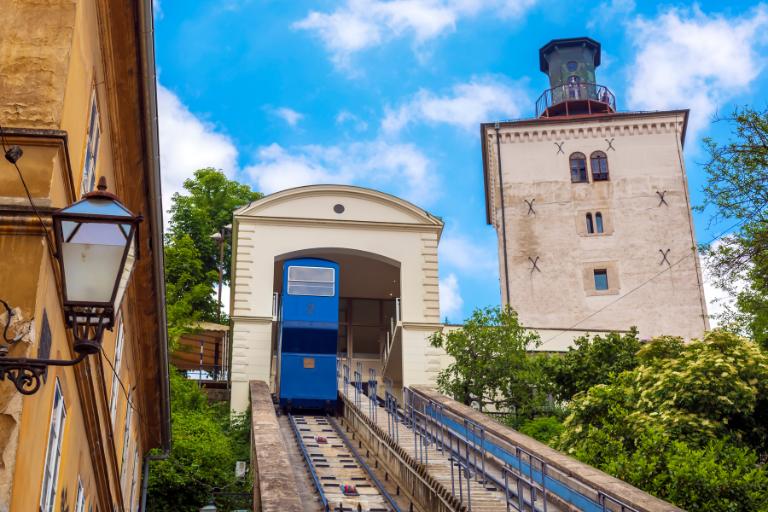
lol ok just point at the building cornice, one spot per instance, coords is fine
(339, 224)
(252, 319)
(424, 326)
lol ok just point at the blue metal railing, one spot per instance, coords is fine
(534, 481)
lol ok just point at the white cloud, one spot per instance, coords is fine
(450, 298)
(466, 106)
(360, 24)
(289, 115)
(718, 300)
(345, 116)
(468, 255)
(187, 144)
(398, 167)
(609, 12)
(686, 59)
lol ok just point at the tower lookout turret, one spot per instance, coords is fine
(570, 65)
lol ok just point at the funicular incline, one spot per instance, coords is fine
(432, 453)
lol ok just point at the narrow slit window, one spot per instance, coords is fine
(599, 222)
(590, 225)
(80, 499)
(599, 161)
(118, 362)
(316, 281)
(578, 164)
(601, 279)
(53, 451)
(93, 139)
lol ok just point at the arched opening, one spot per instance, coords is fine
(369, 307)
(578, 168)
(599, 161)
(599, 222)
(590, 224)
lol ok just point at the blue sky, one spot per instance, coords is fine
(389, 94)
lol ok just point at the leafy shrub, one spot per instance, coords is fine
(543, 429)
(593, 360)
(688, 424)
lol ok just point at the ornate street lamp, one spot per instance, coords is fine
(96, 248)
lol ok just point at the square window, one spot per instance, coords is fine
(601, 279)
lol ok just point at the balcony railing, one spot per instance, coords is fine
(575, 99)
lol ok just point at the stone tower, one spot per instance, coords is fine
(591, 209)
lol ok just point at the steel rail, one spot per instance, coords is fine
(308, 460)
(364, 465)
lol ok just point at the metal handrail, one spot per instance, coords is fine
(275, 306)
(535, 472)
(575, 92)
(394, 329)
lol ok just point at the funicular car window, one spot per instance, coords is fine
(317, 281)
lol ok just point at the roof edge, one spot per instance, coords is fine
(353, 189)
(146, 34)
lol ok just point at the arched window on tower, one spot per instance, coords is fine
(599, 161)
(590, 225)
(578, 168)
(599, 222)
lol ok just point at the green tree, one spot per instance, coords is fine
(688, 424)
(593, 360)
(490, 364)
(205, 209)
(737, 190)
(191, 255)
(188, 291)
(206, 445)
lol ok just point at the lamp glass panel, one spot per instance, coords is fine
(91, 259)
(130, 262)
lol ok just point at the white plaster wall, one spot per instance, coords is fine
(647, 158)
(421, 362)
(251, 357)
(304, 219)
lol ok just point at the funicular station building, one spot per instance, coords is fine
(386, 249)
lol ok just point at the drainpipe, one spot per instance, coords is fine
(145, 476)
(503, 216)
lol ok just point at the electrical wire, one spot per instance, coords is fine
(3, 141)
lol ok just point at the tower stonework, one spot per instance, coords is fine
(592, 211)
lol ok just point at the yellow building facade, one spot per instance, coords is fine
(77, 94)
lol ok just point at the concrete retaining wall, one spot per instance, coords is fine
(581, 472)
(274, 487)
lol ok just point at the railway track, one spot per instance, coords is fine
(343, 480)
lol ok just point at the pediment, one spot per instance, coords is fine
(338, 203)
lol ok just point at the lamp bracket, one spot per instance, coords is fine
(25, 373)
